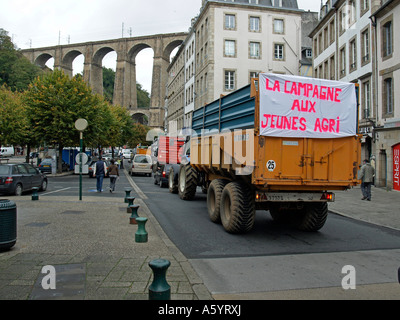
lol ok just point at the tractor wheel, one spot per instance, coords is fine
(187, 182)
(214, 195)
(237, 208)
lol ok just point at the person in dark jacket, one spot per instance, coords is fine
(100, 170)
(366, 175)
(114, 174)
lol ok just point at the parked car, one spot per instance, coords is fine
(93, 163)
(127, 153)
(141, 164)
(18, 178)
(45, 166)
(107, 156)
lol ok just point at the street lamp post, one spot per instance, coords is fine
(81, 125)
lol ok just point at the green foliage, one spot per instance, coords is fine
(13, 120)
(108, 83)
(15, 70)
(55, 101)
(138, 135)
(143, 97)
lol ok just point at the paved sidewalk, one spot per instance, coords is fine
(91, 243)
(383, 209)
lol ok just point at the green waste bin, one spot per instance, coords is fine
(8, 224)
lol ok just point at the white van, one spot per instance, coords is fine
(6, 152)
(127, 153)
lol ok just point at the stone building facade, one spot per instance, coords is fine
(229, 43)
(355, 41)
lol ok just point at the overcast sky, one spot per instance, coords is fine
(40, 23)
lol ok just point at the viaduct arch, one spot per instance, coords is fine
(125, 77)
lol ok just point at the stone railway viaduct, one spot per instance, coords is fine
(125, 78)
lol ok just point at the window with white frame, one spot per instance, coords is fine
(230, 21)
(352, 11)
(279, 26)
(365, 47)
(342, 62)
(353, 55)
(366, 100)
(254, 50)
(388, 97)
(387, 39)
(230, 48)
(254, 24)
(279, 51)
(229, 80)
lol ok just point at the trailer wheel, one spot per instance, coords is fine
(172, 185)
(187, 182)
(237, 208)
(313, 217)
(214, 195)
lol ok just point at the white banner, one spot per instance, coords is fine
(292, 106)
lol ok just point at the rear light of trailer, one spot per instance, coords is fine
(328, 196)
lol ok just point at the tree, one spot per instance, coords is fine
(139, 134)
(55, 101)
(108, 83)
(13, 121)
(143, 97)
(15, 70)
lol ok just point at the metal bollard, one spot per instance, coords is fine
(127, 194)
(130, 203)
(35, 195)
(134, 209)
(141, 235)
(159, 289)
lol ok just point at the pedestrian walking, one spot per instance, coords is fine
(367, 173)
(100, 170)
(114, 174)
(360, 178)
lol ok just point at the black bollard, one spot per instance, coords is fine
(35, 195)
(130, 203)
(159, 289)
(127, 194)
(134, 209)
(141, 235)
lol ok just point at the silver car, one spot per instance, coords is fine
(141, 164)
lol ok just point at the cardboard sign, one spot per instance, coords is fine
(300, 107)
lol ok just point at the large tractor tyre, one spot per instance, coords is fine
(214, 195)
(237, 208)
(313, 217)
(172, 184)
(187, 182)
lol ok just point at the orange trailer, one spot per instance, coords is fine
(292, 177)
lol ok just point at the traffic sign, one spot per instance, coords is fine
(84, 158)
